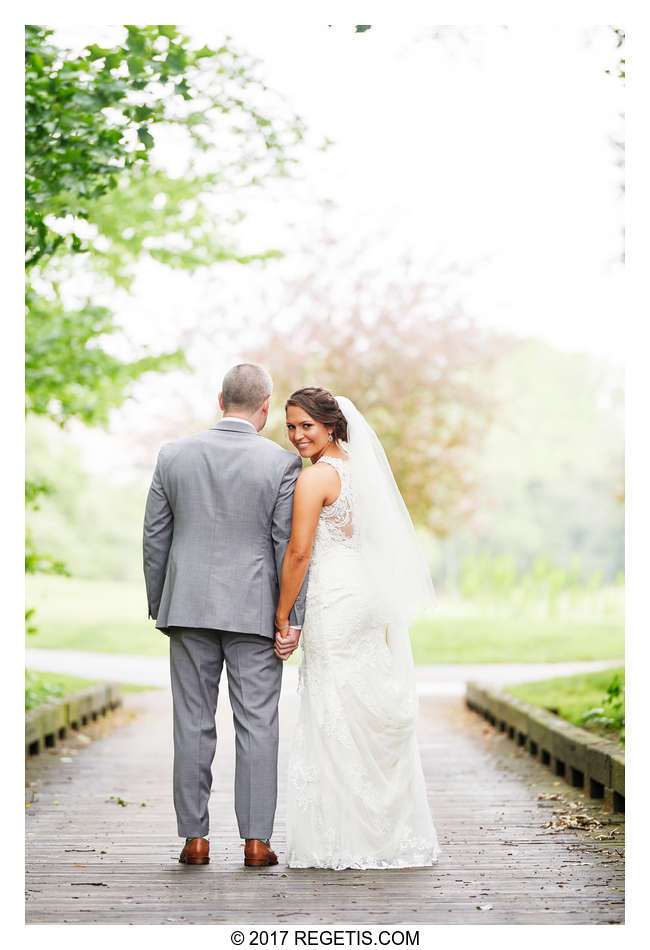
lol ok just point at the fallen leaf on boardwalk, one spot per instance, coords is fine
(87, 884)
(81, 865)
(562, 822)
(27, 804)
(484, 906)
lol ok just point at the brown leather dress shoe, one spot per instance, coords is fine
(258, 855)
(196, 851)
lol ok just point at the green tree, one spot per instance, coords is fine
(97, 202)
(91, 119)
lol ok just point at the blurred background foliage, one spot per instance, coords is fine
(545, 489)
(509, 451)
(412, 361)
(535, 573)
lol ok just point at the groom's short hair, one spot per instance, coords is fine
(245, 387)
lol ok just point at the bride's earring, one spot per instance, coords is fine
(329, 438)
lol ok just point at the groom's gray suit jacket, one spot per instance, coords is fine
(216, 527)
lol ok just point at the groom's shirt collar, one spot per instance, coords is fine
(239, 419)
(235, 422)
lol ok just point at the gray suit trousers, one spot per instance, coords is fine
(254, 680)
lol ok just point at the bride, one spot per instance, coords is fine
(356, 794)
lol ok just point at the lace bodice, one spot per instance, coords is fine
(335, 523)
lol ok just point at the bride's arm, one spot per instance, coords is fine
(313, 487)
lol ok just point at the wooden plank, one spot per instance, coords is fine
(572, 753)
(483, 792)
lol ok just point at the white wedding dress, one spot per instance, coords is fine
(356, 793)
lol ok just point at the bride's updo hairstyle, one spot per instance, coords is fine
(321, 405)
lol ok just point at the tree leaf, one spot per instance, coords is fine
(145, 137)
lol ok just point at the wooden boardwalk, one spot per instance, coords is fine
(93, 860)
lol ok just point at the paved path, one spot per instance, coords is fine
(92, 860)
(443, 679)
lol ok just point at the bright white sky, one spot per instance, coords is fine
(493, 153)
(496, 150)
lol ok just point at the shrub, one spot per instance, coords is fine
(611, 713)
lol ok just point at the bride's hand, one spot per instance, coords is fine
(286, 642)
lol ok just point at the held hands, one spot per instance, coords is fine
(286, 639)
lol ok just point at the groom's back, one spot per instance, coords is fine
(229, 494)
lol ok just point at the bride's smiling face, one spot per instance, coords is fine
(309, 437)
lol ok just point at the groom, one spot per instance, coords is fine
(216, 526)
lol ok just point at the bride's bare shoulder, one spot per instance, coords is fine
(315, 486)
(315, 474)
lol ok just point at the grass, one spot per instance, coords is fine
(570, 696)
(484, 639)
(44, 687)
(111, 617)
(98, 616)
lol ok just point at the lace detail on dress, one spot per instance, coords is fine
(335, 524)
(413, 852)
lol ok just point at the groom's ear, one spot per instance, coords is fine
(221, 402)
